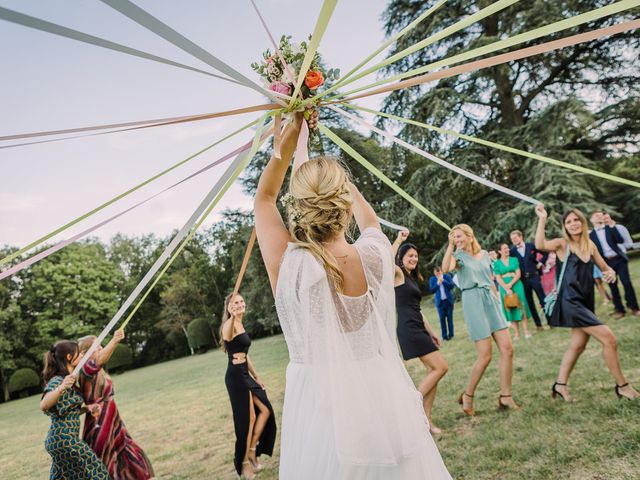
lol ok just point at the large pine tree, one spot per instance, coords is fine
(579, 104)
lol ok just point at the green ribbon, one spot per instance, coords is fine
(328, 6)
(465, 22)
(504, 148)
(372, 168)
(254, 148)
(509, 42)
(391, 40)
(43, 239)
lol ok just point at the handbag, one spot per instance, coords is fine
(511, 300)
(551, 299)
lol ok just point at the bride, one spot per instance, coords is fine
(350, 409)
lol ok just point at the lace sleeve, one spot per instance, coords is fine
(377, 257)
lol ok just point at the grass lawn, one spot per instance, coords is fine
(179, 412)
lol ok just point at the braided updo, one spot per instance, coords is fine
(319, 208)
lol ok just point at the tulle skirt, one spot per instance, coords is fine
(309, 436)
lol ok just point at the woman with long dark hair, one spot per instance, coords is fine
(253, 416)
(72, 458)
(107, 434)
(574, 307)
(415, 336)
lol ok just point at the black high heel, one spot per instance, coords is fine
(555, 392)
(617, 390)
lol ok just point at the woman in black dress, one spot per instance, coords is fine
(574, 307)
(253, 417)
(415, 336)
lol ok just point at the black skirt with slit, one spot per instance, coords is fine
(241, 385)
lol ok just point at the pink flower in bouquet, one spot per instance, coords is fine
(270, 59)
(280, 87)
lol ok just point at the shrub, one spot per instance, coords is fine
(23, 381)
(121, 359)
(199, 333)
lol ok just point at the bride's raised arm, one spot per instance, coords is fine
(270, 229)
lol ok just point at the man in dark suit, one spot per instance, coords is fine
(442, 286)
(530, 268)
(607, 239)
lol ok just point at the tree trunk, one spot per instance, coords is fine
(5, 386)
(184, 330)
(511, 115)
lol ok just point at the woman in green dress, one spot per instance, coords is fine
(482, 313)
(62, 401)
(507, 270)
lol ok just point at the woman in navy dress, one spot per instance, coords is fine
(415, 335)
(574, 306)
(253, 417)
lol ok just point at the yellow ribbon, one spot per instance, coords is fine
(372, 168)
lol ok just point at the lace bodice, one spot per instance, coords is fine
(307, 306)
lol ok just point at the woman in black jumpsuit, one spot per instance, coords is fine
(574, 307)
(253, 418)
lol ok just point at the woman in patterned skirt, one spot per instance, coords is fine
(72, 458)
(107, 434)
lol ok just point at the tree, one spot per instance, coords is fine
(73, 293)
(121, 358)
(578, 104)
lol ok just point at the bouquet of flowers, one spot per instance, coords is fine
(280, 79)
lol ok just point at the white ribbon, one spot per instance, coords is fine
(439, 161)
(386, 223)
(237, 165)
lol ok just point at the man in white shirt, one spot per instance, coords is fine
(624, 232)
(610, 244)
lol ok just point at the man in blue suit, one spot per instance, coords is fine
(607, 239)
(442, 286)
(530, 268)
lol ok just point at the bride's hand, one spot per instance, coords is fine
(312, 118)
(541, 212)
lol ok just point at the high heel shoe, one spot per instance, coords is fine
(621, 396)
(256, 465)
(243, 476)
(468, 411)
(555, 392)
(502, 406)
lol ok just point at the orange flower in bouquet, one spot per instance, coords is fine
(313, 79)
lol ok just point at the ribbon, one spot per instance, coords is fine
(245, 262)
(49, 27)
(302, 152)
(465, 22)
(498, 146)
(391, 40)
(391, 225)
(509, 42)
(164, 31)
(219, 195)
(46, 237)
(439, 161)
(158, 122)
(326, 11)
(365, 163)
(49, 251)
(210, 200)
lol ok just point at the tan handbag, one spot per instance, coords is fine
(511, 300)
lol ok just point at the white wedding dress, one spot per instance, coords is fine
(351, 411)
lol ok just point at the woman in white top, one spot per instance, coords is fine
(350, 410)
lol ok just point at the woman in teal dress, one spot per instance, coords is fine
(62, 401)
(507, 270)
(482, 313)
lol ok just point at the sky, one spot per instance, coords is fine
(49, 82)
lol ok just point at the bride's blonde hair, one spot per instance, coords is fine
(318, 208)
